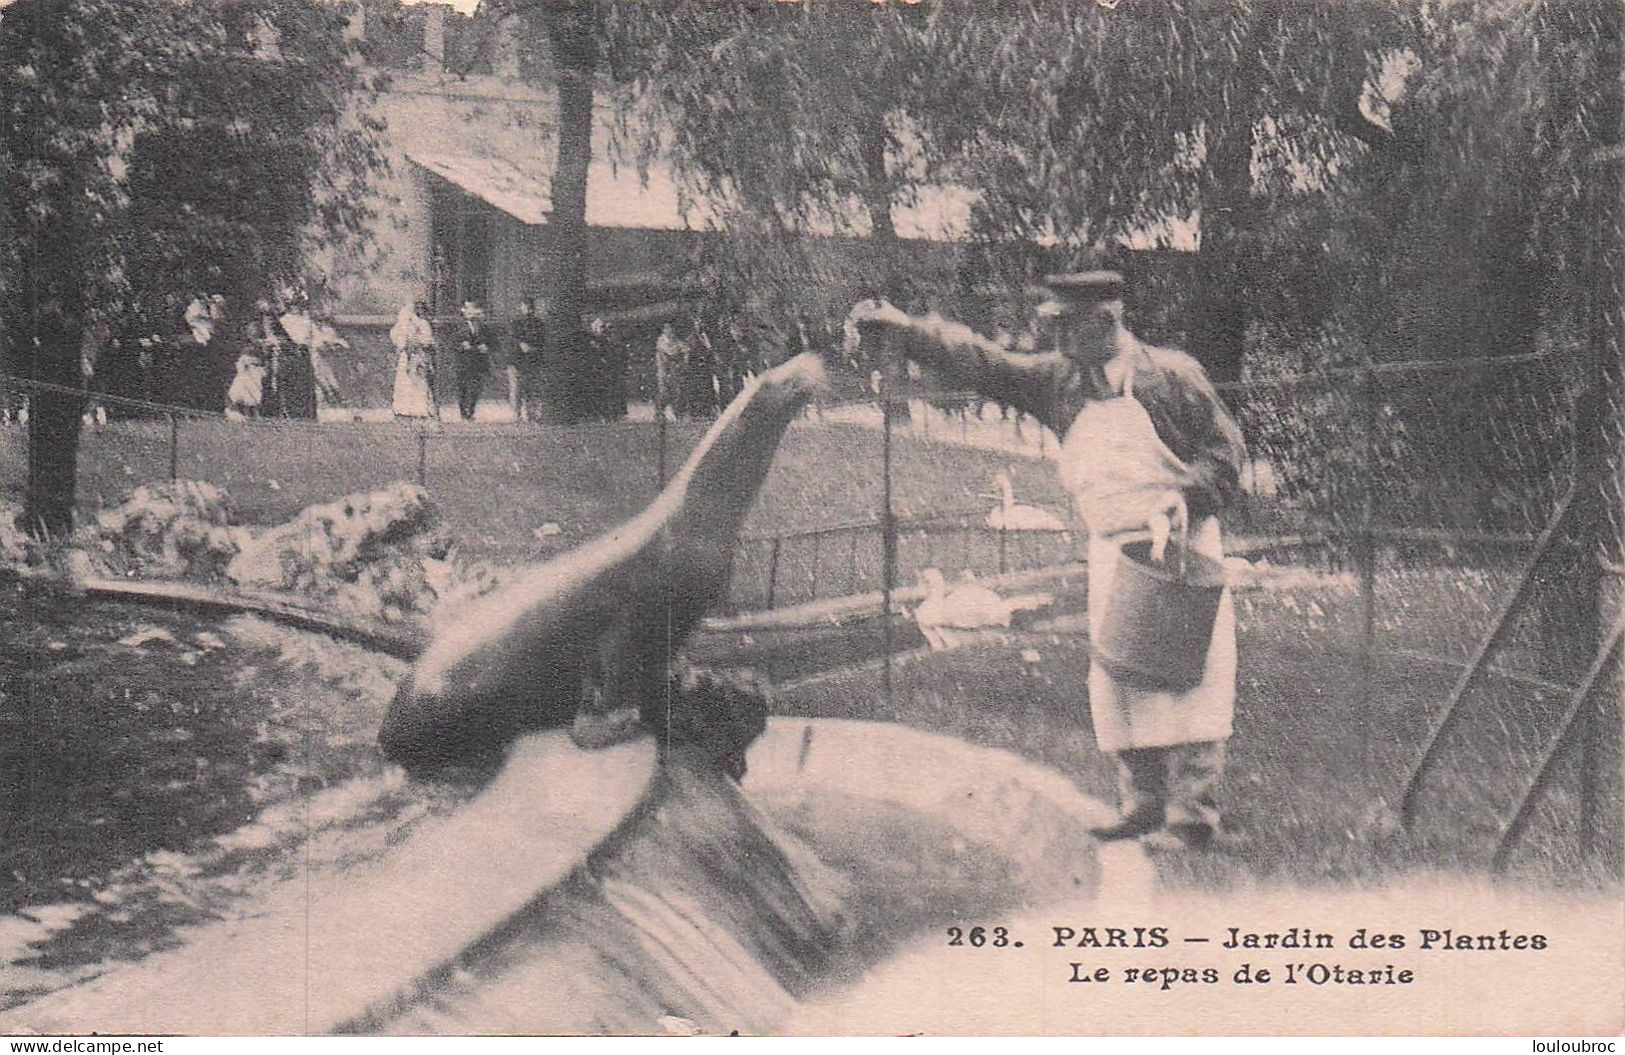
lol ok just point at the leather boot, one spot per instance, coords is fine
(1143, 819)
(1179, 837)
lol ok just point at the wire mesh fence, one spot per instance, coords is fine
(1470, 508)
(1430, 482)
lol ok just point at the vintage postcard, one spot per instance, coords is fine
(816, 518)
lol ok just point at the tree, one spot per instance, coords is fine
(149, 148)
(1491, 230)
(1472, 205)
(792, 120)
(1099, 122)
(55, 146)
(720, 80)
(1076, 124)
(1291, 133)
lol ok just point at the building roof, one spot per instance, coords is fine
(617, 196)
(498, 183)
(496, 156)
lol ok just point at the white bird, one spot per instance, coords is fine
(1009, 516)
(968, 606)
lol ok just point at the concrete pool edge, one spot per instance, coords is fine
(876, 759)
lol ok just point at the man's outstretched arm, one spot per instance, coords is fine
(1035, 384)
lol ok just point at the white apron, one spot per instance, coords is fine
(1119, 473)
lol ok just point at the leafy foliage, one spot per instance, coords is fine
(150, 150)
(1075, 124)
(788, 120)
(1470, 223)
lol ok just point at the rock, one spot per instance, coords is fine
(376, 555)
(146, 635)
(57, 916)
(678, 1026)
(467, 582)
(166, 530)
(334, 540)
(78, 566)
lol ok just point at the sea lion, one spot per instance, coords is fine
(600, 626)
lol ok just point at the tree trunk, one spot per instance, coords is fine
(53, 428)
(1231, 214)
(53, 448)
(1228, 214)
(49, 228)
(576, 389)
(45, 341)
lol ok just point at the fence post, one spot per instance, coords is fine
(1003, 564)
(660, 447)
(423, 458)
(773, 569)
(1599, 436)
(888, 533)
(174, 448)
(1365, 555)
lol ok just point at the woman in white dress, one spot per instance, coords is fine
(247, 389)
(413, 339)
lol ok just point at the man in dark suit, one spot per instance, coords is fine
(529, 334)
(473, 358)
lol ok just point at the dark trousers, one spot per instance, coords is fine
(531, 389)
(471, 371)
(1184, 778)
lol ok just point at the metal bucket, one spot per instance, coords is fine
(1159, 617)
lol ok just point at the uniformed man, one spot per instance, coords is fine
(1090, 378)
